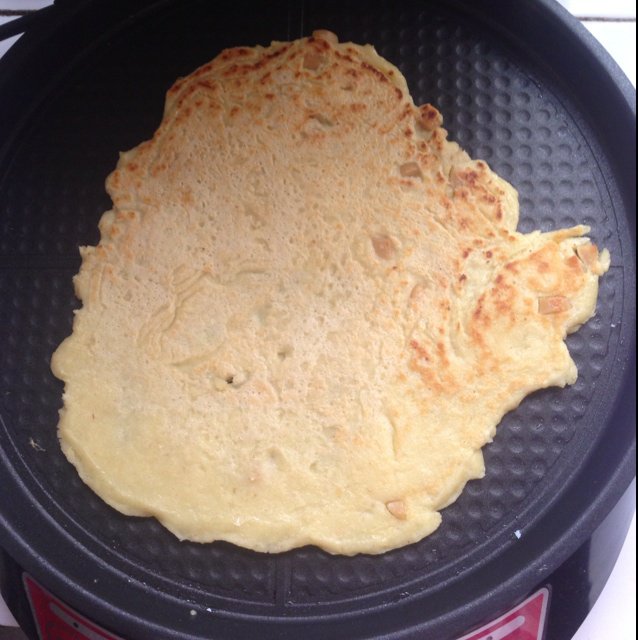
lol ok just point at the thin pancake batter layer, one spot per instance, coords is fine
(308, 310)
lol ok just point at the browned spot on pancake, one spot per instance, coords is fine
(420, 351)
(313, 60)
(176, 86)
(202, 70)
(206, 84)
(575, 264)
(429, 118)
(548, 305)
(410, 170)
(376, 72)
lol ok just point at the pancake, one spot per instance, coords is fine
(308, 309)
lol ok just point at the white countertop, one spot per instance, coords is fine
(613, 23)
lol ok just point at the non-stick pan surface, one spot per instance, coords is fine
(520, 84)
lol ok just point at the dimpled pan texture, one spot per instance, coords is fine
(502, 102)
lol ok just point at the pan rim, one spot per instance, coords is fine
(15, 543)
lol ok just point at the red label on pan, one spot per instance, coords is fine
(55, 620)
(525, 622)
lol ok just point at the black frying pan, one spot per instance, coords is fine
(520, 84)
